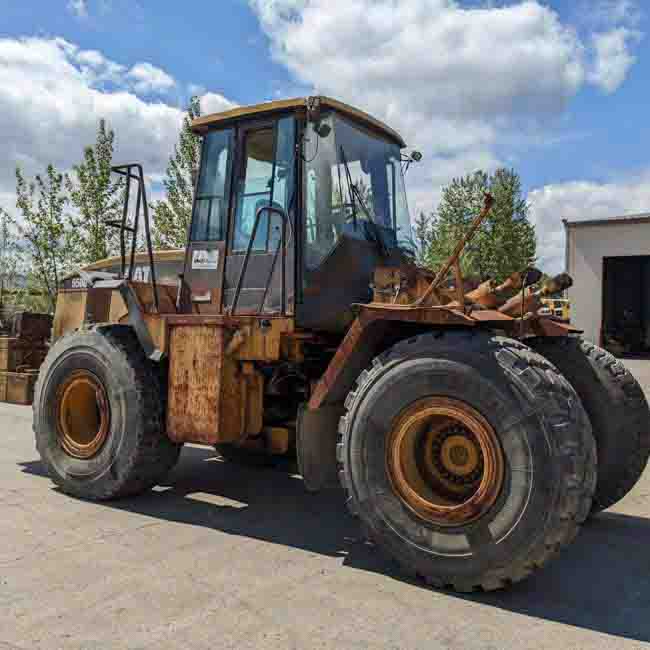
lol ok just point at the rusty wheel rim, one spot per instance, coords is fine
(82, 414)
(445, 461)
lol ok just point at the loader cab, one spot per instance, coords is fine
(296, 204)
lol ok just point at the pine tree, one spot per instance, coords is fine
(506, 241)
(50, 236)
(171, 217)
(97, 197)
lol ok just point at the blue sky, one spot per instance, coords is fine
(557, 90)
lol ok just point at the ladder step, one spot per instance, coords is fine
(118, 224)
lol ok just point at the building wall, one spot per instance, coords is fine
(587, 246)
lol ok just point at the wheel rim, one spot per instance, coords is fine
(444, 461)
(83, 415)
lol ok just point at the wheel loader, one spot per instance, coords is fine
(471, 436)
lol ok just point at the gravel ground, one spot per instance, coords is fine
(228, 557)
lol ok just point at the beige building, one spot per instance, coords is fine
(609, 260)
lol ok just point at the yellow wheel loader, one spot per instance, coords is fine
(470, 435)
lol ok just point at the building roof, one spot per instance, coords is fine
(642, 217)
(202, 124)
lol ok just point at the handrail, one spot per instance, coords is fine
(141, 200)
(249, 249)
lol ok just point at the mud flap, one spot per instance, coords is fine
(316, 438)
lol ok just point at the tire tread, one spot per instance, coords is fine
(576, 450)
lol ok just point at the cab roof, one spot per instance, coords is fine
(299, 104)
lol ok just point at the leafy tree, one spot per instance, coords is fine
(11, 261)
(96, 197)
(423, 236)
(506, 241)
(50, 237)
(171, 217)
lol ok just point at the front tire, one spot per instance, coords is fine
(99, 416)
(511, 463)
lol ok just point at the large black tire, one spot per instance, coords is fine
(136, 454)
(542, 428)
(617, 408)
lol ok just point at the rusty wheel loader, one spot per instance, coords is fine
(471, 436)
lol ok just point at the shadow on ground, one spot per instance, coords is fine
(601, 583)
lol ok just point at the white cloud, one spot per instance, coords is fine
(148, 78)
(215, 103)
(454, 80)
(78, 8)
(420, 58)
(613, 58)
(52, 95)
(581, 200)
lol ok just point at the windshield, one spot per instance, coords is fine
(354, 186)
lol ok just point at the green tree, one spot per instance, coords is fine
(11, 258)
(96, 197)
(49, 234)
(506, 241)
(172, 216)
(423, 236)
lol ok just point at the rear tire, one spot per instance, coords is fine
(99, 416)
(617, 408)
(542, 434)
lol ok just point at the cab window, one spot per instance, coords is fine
(267, 180)
(211, 204)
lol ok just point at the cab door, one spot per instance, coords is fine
(259, 273)
(206, 250)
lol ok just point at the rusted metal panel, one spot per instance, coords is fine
(549, 327)
(490, 316)
(232, 402)
(426, 315)
(212, 396)
(253, 394)
(352, 355)
(195, 377)
(367, 333)
(262, 340)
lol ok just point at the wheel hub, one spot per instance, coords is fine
(455, 455)
(444, 461)
(82, 414)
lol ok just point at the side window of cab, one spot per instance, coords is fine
(209, 222)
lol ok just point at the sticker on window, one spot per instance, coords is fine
(204, 260)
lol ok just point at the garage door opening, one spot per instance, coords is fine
(626, 305)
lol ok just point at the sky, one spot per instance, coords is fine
(556, 90)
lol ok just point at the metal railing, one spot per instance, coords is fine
(141, 202)
(281, 246)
